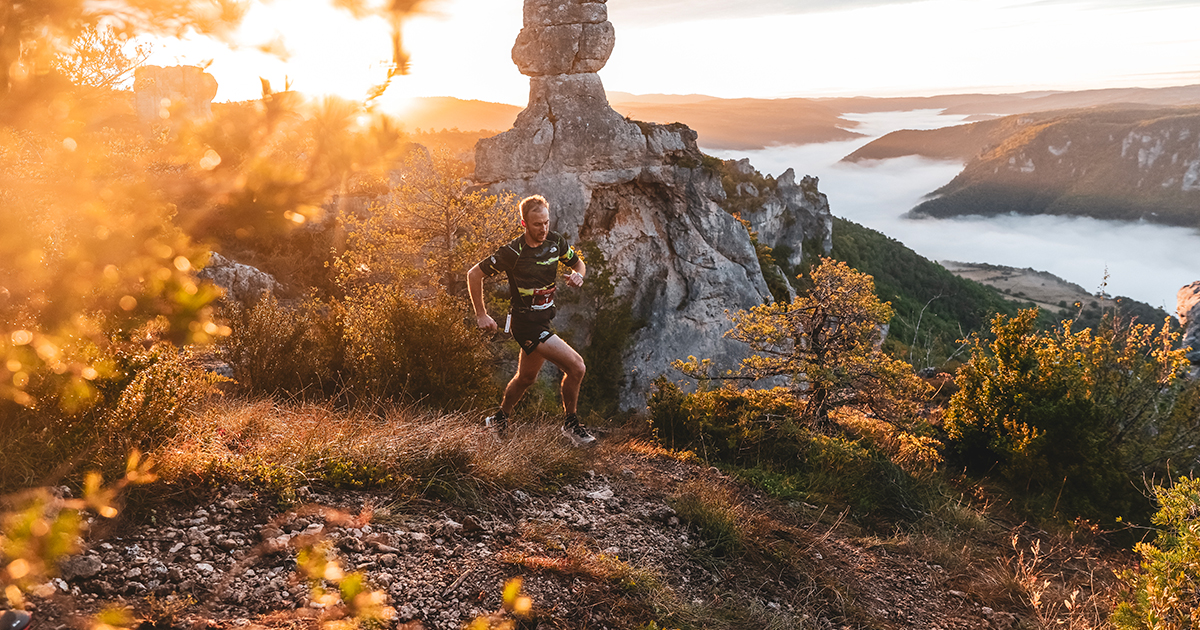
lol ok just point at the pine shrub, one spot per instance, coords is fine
(1165, 590)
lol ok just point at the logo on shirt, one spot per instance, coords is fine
(553, 249)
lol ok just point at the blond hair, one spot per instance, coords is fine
(531, 203)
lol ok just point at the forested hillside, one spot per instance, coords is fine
(1118, 163)
(934, 308)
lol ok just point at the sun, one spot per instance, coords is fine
(460, 48)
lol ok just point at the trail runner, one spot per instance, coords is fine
(531, 263)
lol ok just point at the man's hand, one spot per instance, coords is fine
(485, 322)
(574, 279)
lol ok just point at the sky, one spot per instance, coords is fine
(763, 48)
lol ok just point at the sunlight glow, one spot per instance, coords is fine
(937, 46)
(934, 46)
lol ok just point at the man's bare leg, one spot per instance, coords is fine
(563, 356)
(528, 366)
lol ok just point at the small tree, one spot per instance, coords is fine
(828, 343)
(1077, 418)
(432, 219)
(101, 58)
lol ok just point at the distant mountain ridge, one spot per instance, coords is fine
(749, 123)
(1022, 103)
(1110, 163)
(745, 123)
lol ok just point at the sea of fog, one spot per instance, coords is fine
(1143, 261)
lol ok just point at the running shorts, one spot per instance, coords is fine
(530, 329)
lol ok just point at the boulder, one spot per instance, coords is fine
(178, 91)
(80, 567)
(564, 37)
(554, 12)
(242, 283)
(1188, 308)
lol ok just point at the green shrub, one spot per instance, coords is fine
(138, 403)
(399, 347)
(757, 433)
(1074, 419)
(276, 349)
(726, 423)
(378, 343)
(1165, 589)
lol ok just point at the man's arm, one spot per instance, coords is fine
(575, 279)
(475, 288)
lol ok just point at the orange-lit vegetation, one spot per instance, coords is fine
(828, 343)
(285, 446)
(364, 374)
(1076, 419)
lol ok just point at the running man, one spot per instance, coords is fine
(531, 263)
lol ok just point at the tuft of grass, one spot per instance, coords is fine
(726, 524)
(557, 549)
(653, 449)
(286, 446)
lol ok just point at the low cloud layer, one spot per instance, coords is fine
(1144, 261)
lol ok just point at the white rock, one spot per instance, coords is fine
(601, 495)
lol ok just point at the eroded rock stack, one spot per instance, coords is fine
(1188, 308)
(643, 193)
(181, 91)
(788, 214)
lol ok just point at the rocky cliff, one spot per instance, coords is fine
(1124, 164)
(643, 193)
(1189, 316)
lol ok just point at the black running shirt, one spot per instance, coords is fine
(532, 271)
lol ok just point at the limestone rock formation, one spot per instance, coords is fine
(1188, 308)
(643, 193)
(787, 215)
(242, 283)
(185, 91)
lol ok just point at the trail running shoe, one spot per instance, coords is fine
(498, 423)
(575, 431)
(14, 620)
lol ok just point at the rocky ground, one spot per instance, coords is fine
(607, 550)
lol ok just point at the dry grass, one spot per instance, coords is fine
(1061, 587)
(1049, 582)
(647, 448)
(728, 525)
(915, 454)
(304, 444)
